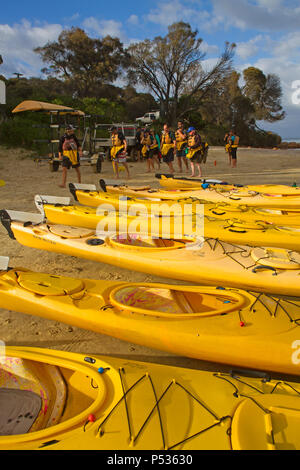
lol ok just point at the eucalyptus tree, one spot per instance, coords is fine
(173, 69)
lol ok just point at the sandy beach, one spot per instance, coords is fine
(25, 178)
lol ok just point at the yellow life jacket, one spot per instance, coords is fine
(116, 150)
(117, 146)
(116, 141)
(147, 140)
(233, 144)
(194, 140)
(69, 148)
(166, 143)
(180, 141)
(166, 139)
(192, 150)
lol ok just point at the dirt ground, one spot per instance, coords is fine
(25, 178)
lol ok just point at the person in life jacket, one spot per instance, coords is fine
(118, 151)
(194, 151)
(147, 142)
(155, 147)
(138, 145)
(181, 145)
(69, 151)
(234, 142)
(167, 145)
(227, 143)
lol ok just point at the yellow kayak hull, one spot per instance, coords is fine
(215, 194)
(223, 325)
(229, 230)
(208, 261)
(222, 211)
(188, 183)
(119, 404)
(236, 198)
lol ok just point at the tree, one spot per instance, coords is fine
(171, 67)
(83, 62)
(219, 104)
(265, 94)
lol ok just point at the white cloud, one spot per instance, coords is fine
(250, 48)
(103, 27)
(265, 15)
(133, 20)
(173, 11)
(17, 43)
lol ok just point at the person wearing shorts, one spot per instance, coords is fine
(69, 152)
(205, 149)
(228, 146)
(118, 151)
(154, 148)
(234, 146)
(167, 145)
(138, 145)
(147, 142)
(181, 145)
(194, 151)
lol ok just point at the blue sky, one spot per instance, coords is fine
(266, 32)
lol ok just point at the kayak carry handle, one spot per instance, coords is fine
(218, 213)
(255, 374)
(57, 201)
(237, 231)
(263, 266)
(6, 222)
(73, 187)
(104, 183)
(8, 216)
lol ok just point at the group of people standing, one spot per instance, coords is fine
(184, 145)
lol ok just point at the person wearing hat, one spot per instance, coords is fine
(194, 150)
(69, 151)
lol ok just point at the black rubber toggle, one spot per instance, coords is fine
(95, 241)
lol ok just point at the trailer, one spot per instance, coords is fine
(101, 139)
(59, 117)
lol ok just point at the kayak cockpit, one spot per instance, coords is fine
(175, 301)
(35, 396)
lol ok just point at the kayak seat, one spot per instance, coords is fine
(46, 402)
(19, 409)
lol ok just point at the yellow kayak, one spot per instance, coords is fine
(253, 214)
(223, 325)
(58, 400)
(212, 193)
(2, 183)
(209, 261)
(232, 230)
(171, 182)
(150, 206)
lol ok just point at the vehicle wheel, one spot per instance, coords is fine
(99, 164)
(132, 155)
(54, 165)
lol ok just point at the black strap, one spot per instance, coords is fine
(264, 267)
